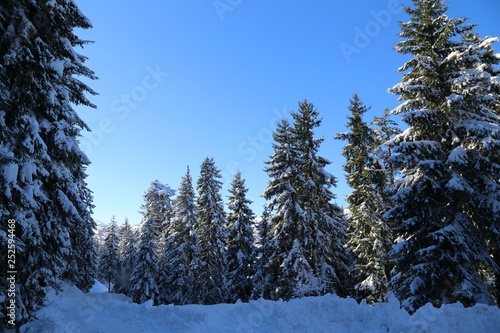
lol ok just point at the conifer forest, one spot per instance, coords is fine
(421, 221)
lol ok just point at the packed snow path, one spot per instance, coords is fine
(72, 311)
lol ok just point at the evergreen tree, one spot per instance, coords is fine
(212, 232)
(436, 216)
(163, 267)
(288, 268)
(308, 232)
(127, 254)
(370, 237)
(240, 243)
(156, 209)
(109, 263)
(475, 158)
(325, 225)
(144, 276)
(42, 169)
(182, 257)
(261, 266)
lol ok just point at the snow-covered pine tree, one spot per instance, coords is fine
(288, 268)
(163, 269)
(143, 281)
(370, 237)
(42, 169)
(156, 209)
(182, 257)
(127, 253)
(109, 262)
(440, 247)
(325, 225)
(212, 232)
(262, 250)
(240, 243)
(475, 158)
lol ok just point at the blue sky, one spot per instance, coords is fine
(182, 80)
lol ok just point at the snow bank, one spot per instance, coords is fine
(99, 312)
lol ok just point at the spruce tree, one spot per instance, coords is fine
(143, 281)
(212, 232)
(127, 253)
(307, 253)
(240, 243)
(156, 209)
(436, 218)
(370, 237)
(475, 158)
(42, 169)
(325, 224)
(262, 251)
(109, 262)
(288, 268)
(181, 260)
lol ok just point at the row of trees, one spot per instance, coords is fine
(187, 250)
(424, 213)
(190, 251)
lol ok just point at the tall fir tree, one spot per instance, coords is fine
(370, 237)
(262, 251)
(475, 160)
(156, 209)
(109, 262)
(212, 232)
(182, 259)
(42, 169)
(325, 222)
(308, 232)
(143, 281)
(240, 243)
(127, 250)
(163, 269)
(440, 244)
(288, 268)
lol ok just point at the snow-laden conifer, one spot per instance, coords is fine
(286, 220)
(307, 253)
(262, 251)
(182, 265)
(212, 232)
(443, 197)
(42, 168)
(325, 223)
(109, 261)
(370, 237)
(240, 243)
(156, 209)
(127, 250)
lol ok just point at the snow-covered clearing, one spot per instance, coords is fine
(98, 312)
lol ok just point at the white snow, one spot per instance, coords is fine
(416, 284)
(10, 172)
(99, 312)
(458, 156)
(58, 66)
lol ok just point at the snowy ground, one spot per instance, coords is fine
(98, 312)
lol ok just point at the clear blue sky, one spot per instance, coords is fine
(182, 80)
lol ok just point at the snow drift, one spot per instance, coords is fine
(72, 311)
